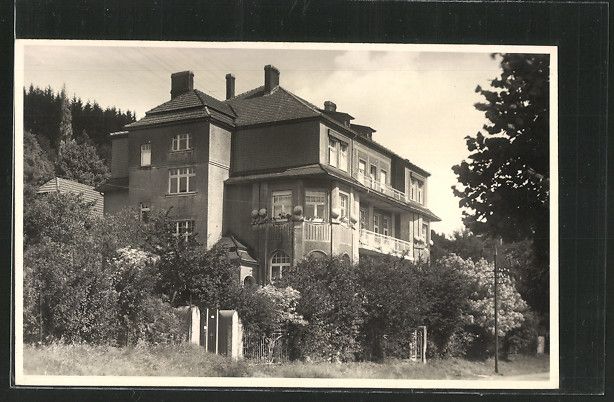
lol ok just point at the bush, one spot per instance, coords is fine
(331, 302)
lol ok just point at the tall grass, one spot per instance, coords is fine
(194, 361)
(146, 360)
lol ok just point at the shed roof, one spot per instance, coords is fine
(62, 186)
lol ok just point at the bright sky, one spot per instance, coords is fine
(420, 103)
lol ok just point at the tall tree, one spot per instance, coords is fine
(65, 118)
(81, 163)
(503, 184)
(37, 168)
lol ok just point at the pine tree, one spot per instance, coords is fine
(65, 131)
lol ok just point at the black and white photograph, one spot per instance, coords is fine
(273, 214)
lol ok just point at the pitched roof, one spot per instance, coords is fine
(256, 107)
(253, 107)
(191, 105)
(235, 250)
(62, 186)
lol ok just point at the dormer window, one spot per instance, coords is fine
(182, 142)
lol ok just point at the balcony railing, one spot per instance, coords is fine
(385, 244)
(381, 187)
(316, 231)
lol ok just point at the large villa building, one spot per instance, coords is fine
(272, 176)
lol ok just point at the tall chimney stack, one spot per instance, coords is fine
(181, 83)
(330, 106)
(230, 86)
(271, 78)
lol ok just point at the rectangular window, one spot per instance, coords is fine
(315, 205)
(145, 210)
(146, 155)
(376, 223)
(344, 205)
(425, 229)
(281, 204)
(420, 191)
(373, 173)
(343, 156)
(383, 177)
(333, 154)
(337, 153)
(362, 170)
(180, 180)
(184, 229)
(182, 142)
(385, 226)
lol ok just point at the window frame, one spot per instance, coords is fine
(324, 205)
(342, 195)
(190, 172)
(283, 262)
(146, 147)
(383, 176)
(189, 229)
(286, 193)
(335, 153)
(176, 142)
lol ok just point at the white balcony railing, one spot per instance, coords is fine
(385, 244)
(381, 187)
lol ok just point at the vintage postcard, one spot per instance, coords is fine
(286, 215)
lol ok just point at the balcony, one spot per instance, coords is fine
(385, 244)
(383, 188)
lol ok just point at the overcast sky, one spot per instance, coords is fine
(420, 103)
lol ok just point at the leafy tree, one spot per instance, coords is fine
(60, 217)
(37, 168)
(43, 111)
(81, 163)
(331, 303)
(504, 182)
(392, 305)
(462, 243)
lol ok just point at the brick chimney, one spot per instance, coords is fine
(271, 78)
(330, 106)
(181, 83)
(230, 86)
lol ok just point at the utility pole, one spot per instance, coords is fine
(496, 313)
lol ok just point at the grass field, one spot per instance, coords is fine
(193, 361)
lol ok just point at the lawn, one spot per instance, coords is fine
(193, 361)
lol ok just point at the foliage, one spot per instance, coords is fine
(531, 276)
(462, 243)
(60, 217)
(65, 128)
(81, 163)
(392, 304)
(134, 279)
(332, 305)
(43, 115)
(37, 168)
(504, 184)
(267, 309)
(188, 274)
(76, 297)
(445, 298)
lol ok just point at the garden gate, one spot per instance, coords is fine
(417, 344)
